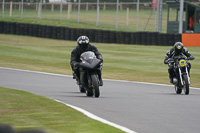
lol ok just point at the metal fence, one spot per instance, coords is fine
(130, 16)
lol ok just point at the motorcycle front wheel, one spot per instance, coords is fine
(95, 85)
(177, 89)
(186, 85)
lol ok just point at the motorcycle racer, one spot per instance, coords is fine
(83, 45)
(177, 49)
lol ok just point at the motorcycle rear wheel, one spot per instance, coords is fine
(186, 85)
(95, 85)
(82, 90)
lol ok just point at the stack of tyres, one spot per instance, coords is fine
(26, 30)
(58, 33)
(13, 28)
(40, 30)
(73, 34)
(127, 37)
(132, 38)
(149, 39)
(43, 34)
(171, 39)
(2, 27)
(160, 39)
(138, 38)
(67, 33)
(106, 36)
(120, 37)
(7, 27)
(49, 31)
(17, 28)
(144, 38)
(91, 35)
(31, 27)
(62, 33)
(35, 30)
(177, 38)
(98, 36)
(112, 37)
(54, 32)
(165, 39)
(154, 38)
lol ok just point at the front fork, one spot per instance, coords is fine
(180, 74)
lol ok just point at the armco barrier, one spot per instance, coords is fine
(102, 36)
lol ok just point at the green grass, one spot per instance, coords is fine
(107, 19)
(37, 112)
(125, 62)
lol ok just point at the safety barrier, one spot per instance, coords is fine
(101, 36)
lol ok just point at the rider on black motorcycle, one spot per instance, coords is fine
(178, 49)
(83, 46)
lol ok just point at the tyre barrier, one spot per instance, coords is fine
(101, 36)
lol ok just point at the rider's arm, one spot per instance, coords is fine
(74, 59)
(168, 56)
(186, 53)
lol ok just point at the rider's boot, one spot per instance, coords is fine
(77, 79)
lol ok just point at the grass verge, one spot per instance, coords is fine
(26, 111)
(125, 62)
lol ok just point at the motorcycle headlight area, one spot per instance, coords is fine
(182, 63)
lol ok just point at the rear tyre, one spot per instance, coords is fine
(186, 85)
(82, 90)
(178, 90)
(95, 85)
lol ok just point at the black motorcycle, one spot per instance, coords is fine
(89, 78)
(181, 78)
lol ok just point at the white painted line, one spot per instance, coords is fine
(92, 116)
(62, 75)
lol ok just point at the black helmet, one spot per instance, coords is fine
(178, 47)
(83, 42)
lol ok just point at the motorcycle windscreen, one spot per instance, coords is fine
(90, 64)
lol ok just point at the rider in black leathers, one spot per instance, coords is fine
(83, 46)
(178, 49)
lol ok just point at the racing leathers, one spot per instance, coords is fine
(170, 54)
(75, 60)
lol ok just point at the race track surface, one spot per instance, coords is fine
(143, 108)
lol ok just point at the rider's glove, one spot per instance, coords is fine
(76, 65)
(191, 57)
(165, 61)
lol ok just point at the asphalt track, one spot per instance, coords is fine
(140, 107)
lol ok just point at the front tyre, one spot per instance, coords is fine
(95, 85)
(177, 89)
(186, 85)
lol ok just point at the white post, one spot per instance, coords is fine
(86, 6)
(52, 7)
(60, 10)
(160, 16)
(11, 9)
(22, 9)
(117, 14)
(3, 8)
(97, 21)
(104, 6)
(127, 16)
(157, 15)
(181, 17)
(69, 10)
(79, 6)
(40, 9)
(138, 1)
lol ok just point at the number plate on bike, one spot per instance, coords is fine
(182, 63)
